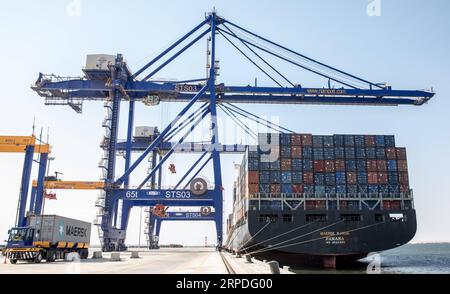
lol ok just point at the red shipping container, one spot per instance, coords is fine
(253, 189)
(371, 165)
(307, 140)
(296, 139)
(391, 205)
(402, 165)
(403, 178)
(308, 178)
(296, 152)
(342, 204)
(339, 165)
(297, 188)
(253, 177)
(351, 178)
(391, 153)
(329, 166)
(370, 141)
(401, 153)
(381, 165)
(372, 178)
(382, 178)
(275, 188)
(319, 166)
(286, 164)
(315, 204)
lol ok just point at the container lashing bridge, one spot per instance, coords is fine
(116, 83)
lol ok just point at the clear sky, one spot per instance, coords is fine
(406, 46)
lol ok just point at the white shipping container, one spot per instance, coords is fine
(99, 61)
(144, 131)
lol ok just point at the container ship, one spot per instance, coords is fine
(303, 199)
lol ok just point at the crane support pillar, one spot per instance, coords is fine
(218, 189)
(23, 197)
(38, 195)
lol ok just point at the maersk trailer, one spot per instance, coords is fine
(48, 237)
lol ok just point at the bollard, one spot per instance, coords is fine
(97, 255)
(134, 254)
(115, 256)
(72, 256)
(238, 255)
(274, 267)
(248, 258)
(287, 268)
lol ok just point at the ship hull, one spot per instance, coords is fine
(293, 240)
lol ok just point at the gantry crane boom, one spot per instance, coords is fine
(116, 83)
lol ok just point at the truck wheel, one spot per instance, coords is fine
(51, 256)
(13, 261)
(84, 254)
(38, 257)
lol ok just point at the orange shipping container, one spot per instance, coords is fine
(253, 177)
(382, 178)
(371, 165)
(296, 152)
(381, 165)
(372, 178)
(296, 139)
(351, 178)
(329, 166)
(402, 165)
(391, 153)
(340, 165)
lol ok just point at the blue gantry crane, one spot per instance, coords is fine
(112, 82)
(155, 221)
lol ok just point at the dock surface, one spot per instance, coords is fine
(161, 261)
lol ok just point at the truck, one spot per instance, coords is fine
(48, 237)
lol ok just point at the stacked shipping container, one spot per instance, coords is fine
(338, 164)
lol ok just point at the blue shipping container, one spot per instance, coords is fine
(361, 165)
(371, 153)
(297, 164)
(297, 177)
(352, 189)
(253, 164)
(341, 189)
(379, 141)
(275, 165)
(328, 141)
(339, 152)
(319, 179)
(328, 153)
(361, 153)
(286, 177)
(389, 141)
(264, 177)
(338, 140)
(381, 153)
(308, 189)
(350, 165)
(360, 141)
(275, 177)
(264, 188)
(349, 140)
(318, 141)
(330, 189)
(286, 188)
(330, 179)
(285, 151)
(318, 153)
(307, 152)
(392, 165)
(393, 178)
(373, 188)
(264, 165)
(307, 165)
(319, 189)
(362, 178)
(340, 178)
(350, 152)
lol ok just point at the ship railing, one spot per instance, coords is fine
(331, 200)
